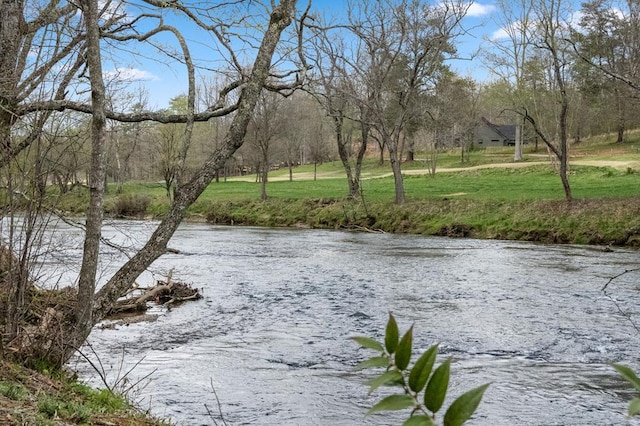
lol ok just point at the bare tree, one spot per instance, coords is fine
(401, 47)
(267, 124)
(188, 190)
(125, 139)
(511, 52)
(20, 39)
(332, 87)
(301, 116)
(550, 41)
(95, 23)
(609, 42)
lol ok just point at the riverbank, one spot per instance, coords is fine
(601, 221)
(519, 203)
(43, 398)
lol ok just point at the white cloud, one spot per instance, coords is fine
(575, 18)
(499, 34)
(513, 29)
(129, 74)
(477, 10)
(113, 9)
(472, 9)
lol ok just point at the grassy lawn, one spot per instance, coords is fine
(530, 183)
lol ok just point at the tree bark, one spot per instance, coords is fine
(397, 175)
(11, 24)
(264, 174)
(365, 128)
(93, 226)
(564, 151)
(517, 156)
(620, 122)
(343, 153)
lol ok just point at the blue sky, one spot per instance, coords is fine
(164, 81)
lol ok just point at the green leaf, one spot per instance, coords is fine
(422, 369)
(462, 408)
(437, 387)
(403, 352)
(392, 334)
(634, 407)
(628, 374)
(375, 362)
(393, 403)
(384, 378)
(419, 421)
(367, 342)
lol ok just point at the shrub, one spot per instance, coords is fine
(129, 205)
(395, 356)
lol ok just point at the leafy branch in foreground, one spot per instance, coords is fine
(628, 374)
(425, 388)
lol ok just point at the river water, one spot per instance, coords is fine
(271, 333)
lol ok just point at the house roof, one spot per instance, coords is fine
(507, 131)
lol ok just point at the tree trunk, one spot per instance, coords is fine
(12, 27)
(621, 129)
(564, 151)
(410, 155)
(343, 153)
(397, 173)
(517, 156)
(264, 176)
(11, 33)
(93, 226)
(621, 119)
(360, 157)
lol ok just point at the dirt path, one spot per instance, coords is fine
(622, 165)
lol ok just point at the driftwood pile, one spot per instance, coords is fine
(165, 293)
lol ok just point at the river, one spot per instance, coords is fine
(271, 334)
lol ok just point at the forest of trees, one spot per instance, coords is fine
(282, 84)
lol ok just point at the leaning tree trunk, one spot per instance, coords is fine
(63, 334)
(564, 138)
(187, 193)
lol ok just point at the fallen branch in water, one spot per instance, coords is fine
(163, 293)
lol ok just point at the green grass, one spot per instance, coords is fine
(13, 391)
(530, 183)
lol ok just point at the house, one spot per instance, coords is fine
(489, 134)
